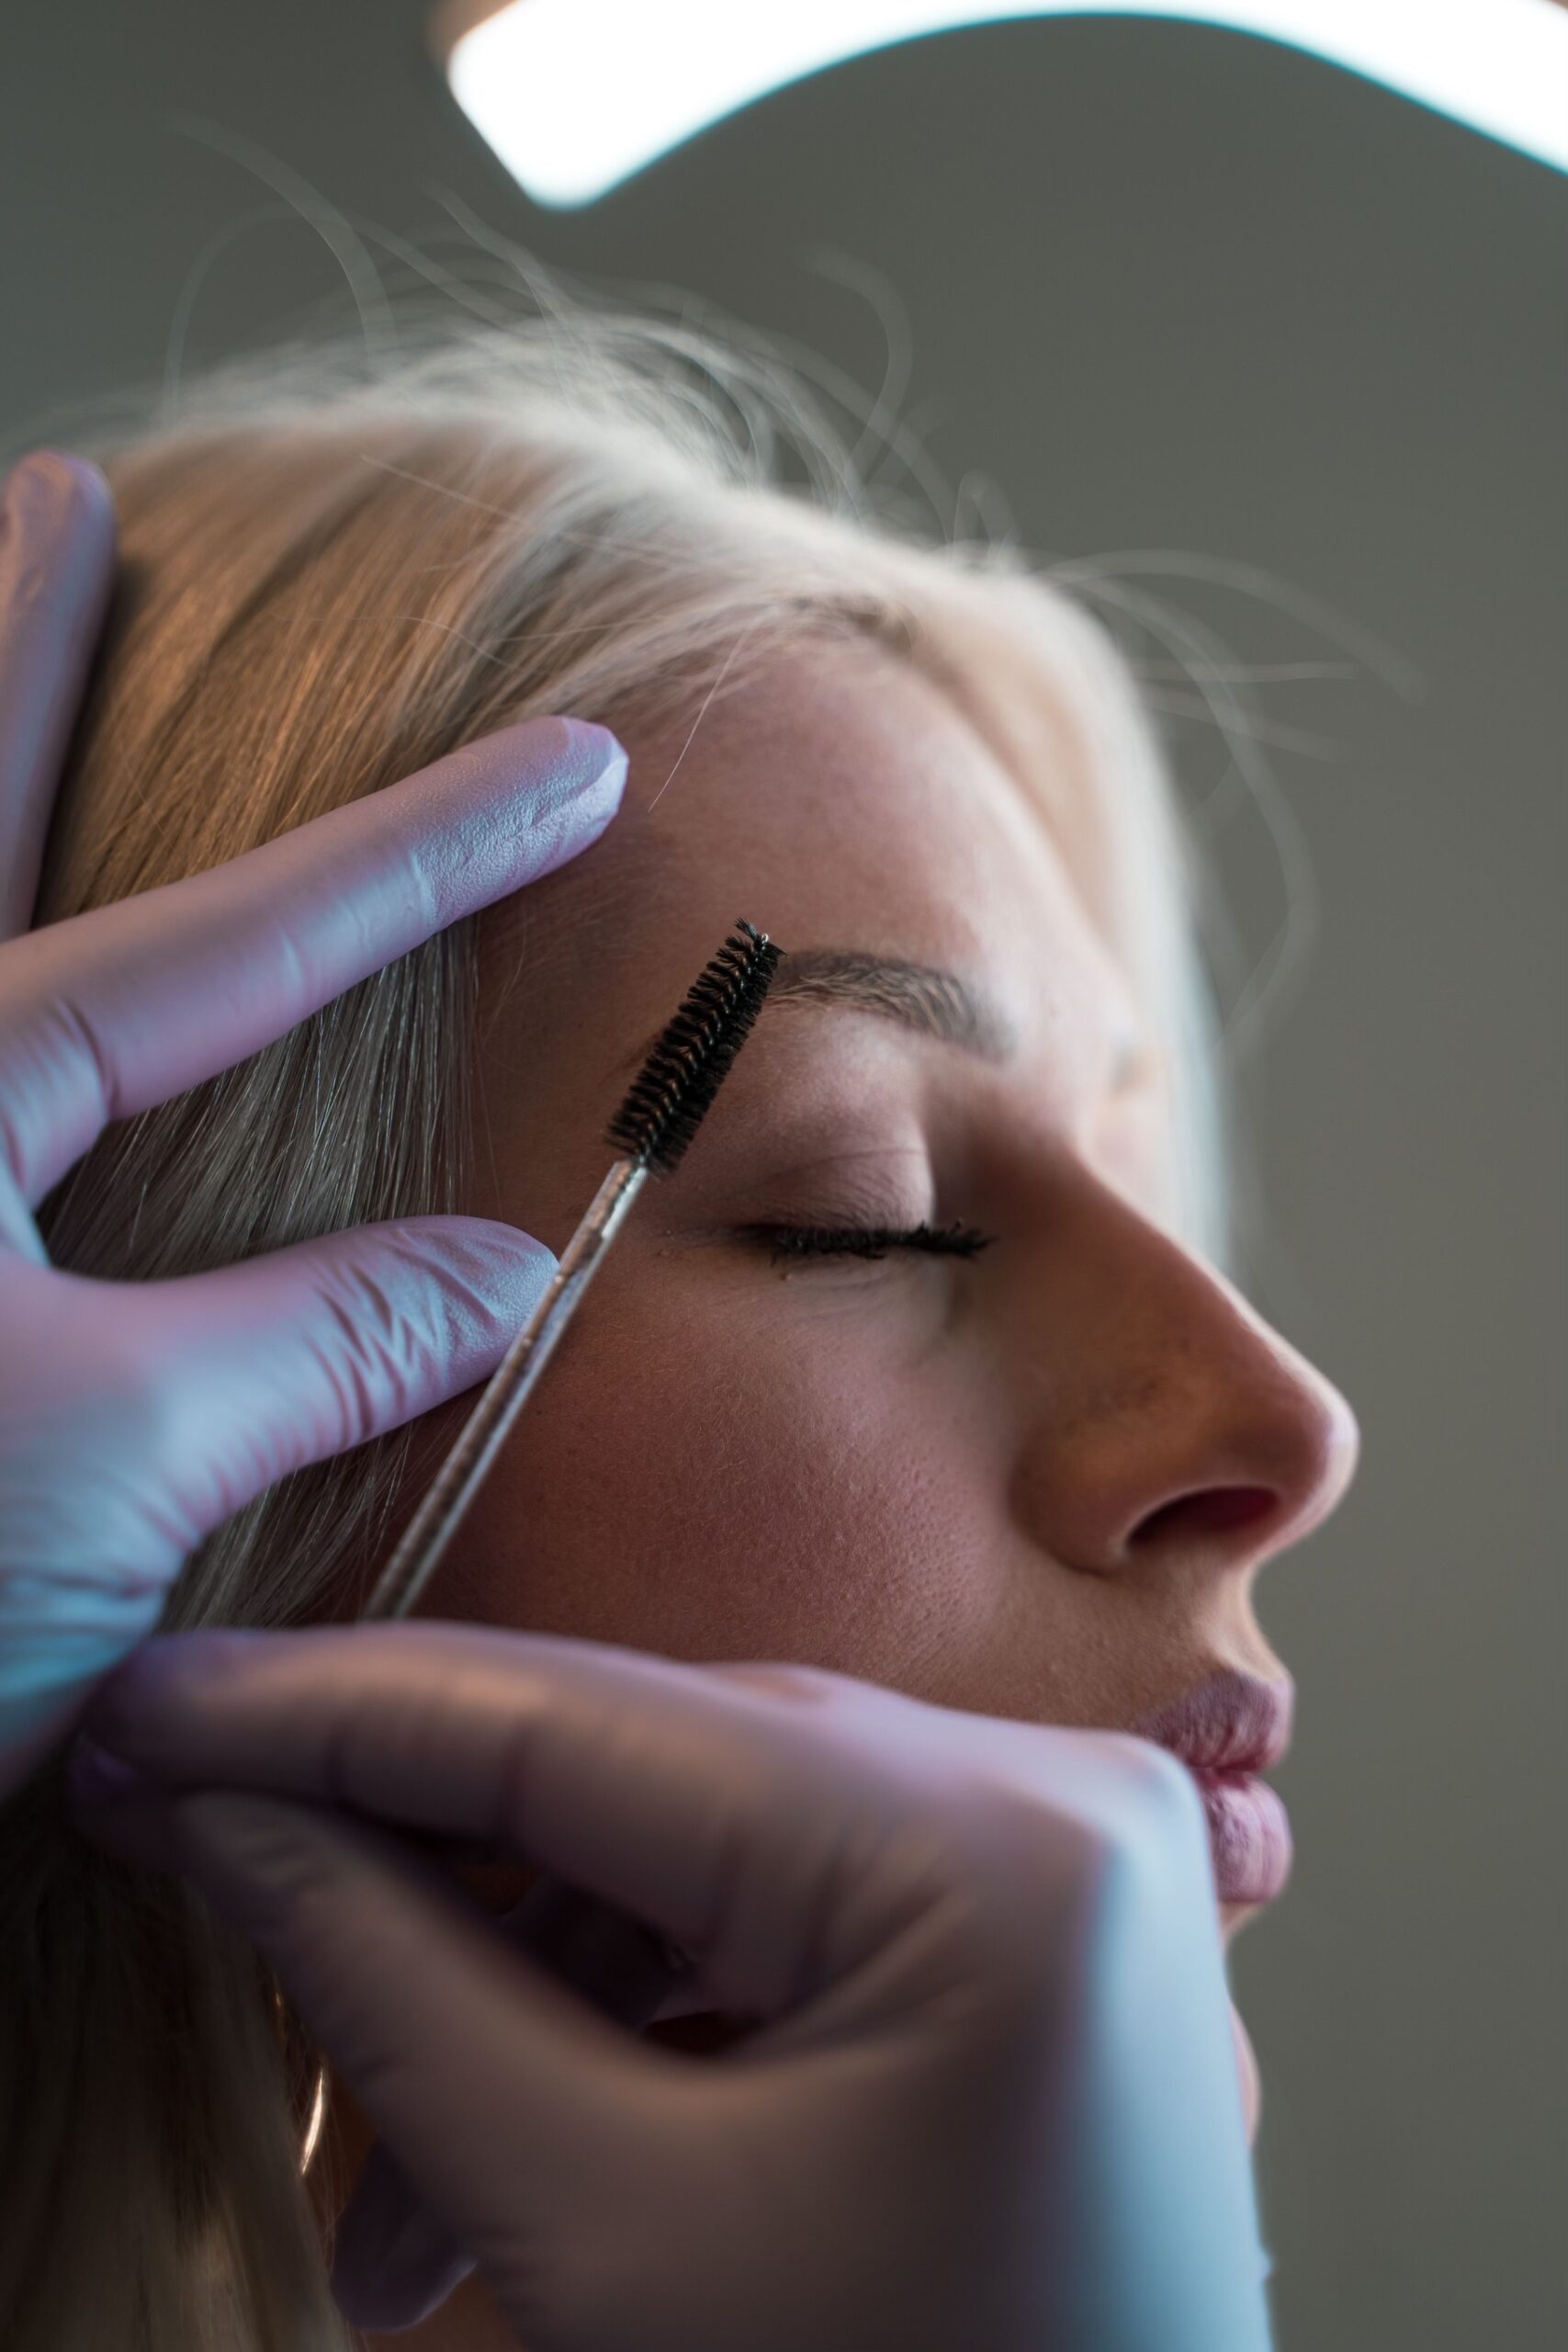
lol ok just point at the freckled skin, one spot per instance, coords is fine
(927, 1471)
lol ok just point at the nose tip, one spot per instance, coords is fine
(1347, 1438)
(1331, 1450)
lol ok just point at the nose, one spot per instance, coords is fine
(1170, 1422)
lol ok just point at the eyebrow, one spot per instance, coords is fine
(919, 995)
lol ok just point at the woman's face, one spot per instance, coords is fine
(1038, 1481)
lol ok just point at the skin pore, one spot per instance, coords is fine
(1036, 1481)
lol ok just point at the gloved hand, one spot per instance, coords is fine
(991, 2104)
(135, 1417)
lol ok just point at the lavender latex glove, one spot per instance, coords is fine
(135, 1417)
(991, 2100)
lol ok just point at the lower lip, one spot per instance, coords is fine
(1250, 1835)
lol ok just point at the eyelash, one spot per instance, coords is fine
(786, 1242)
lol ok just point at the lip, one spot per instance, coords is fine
(1229, 1729)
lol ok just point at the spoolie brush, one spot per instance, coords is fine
(652, 1128)
(624, 1968)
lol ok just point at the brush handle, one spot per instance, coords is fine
(571, 1916)
(614, 1961)
(458, 1481)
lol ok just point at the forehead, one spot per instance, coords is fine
(840, 797)
(837, 797)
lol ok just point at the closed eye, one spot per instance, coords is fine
(793, 1241)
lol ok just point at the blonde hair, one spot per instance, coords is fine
(333, 572)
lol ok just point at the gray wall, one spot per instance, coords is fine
(1172, 289)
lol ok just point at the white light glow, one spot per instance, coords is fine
(575, 95)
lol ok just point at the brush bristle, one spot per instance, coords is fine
(678, 1081)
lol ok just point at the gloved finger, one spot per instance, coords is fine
(393, 2262)
(115, 1010)
(200, 1394)
(504, 2097)
(57, 552)
(258, 1369)
(714, 1810)
(705, 1800)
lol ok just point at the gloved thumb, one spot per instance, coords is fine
(507, 2103)
(393, 2262)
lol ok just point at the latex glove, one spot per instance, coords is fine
(991, 2104)
(135, 1417)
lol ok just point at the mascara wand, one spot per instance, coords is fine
(621, 1966)
(617, 1963)
(653, 1128)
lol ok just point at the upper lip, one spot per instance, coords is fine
(1228, 1723)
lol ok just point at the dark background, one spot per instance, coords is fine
(1172, 289)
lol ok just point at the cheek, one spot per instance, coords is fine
(746, 1489)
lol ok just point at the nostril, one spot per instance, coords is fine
(1211, 1511)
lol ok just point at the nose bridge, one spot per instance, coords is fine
(1161, 1409)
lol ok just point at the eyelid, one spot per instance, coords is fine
(874, 1187)
(793, 1171)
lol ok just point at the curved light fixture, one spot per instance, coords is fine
(575, 95)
